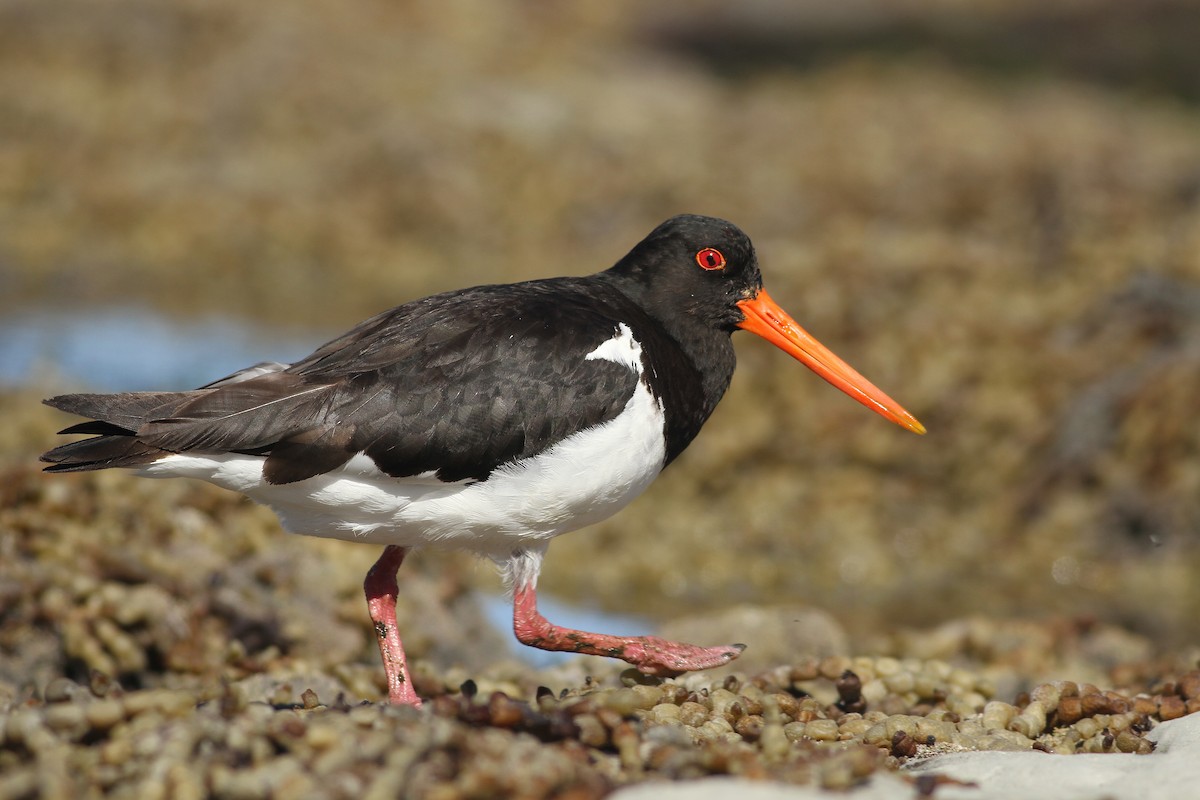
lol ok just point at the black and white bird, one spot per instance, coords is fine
(491, 419)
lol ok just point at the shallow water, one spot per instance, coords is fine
(497, 611)
(134, 349)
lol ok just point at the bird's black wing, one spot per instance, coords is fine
(455, 384)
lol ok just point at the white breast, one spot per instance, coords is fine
(579, 481)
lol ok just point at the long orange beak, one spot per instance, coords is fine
(768, 320)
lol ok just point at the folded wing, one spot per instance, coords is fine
(453, 385)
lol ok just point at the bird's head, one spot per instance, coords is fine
(705, 269)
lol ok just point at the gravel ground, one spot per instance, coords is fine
(996, 218)
(165, 639)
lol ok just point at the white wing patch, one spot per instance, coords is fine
(621, 349)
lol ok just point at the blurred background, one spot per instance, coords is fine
(992, 210)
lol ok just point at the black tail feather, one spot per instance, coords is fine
(98, 428)
(126, 410)
(101, 452)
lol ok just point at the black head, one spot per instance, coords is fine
(698, 276)
(694, 268)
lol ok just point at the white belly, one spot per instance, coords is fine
(581, 480)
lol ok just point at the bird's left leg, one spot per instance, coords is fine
(650, 654)
(381, 589)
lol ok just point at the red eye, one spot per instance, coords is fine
(709, 258)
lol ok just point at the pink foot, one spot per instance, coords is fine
(650, 654)
(380, 588)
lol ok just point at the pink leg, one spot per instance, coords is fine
(649, 654)
(380, 588)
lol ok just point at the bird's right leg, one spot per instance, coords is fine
(381, 589)
(650, 654)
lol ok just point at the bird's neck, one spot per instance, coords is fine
(691, 363)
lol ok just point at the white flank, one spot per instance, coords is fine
(583, 479)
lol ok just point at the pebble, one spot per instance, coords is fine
(1031, 721)
(67, 720)
(664, 713)
(692, 714)
(821, 730)
(1171, 707)
(998, 715)
(1047, 695)
(900, 682)
(964, 705)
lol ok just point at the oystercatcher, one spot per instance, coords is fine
(491, 419)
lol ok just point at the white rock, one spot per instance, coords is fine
(1170, 772)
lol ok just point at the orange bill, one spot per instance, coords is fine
(768, 320)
